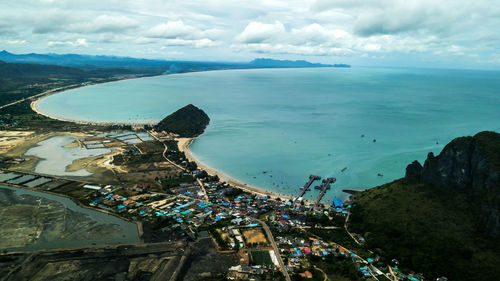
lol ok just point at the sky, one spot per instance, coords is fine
(419, 33)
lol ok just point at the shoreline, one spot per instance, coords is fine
(34, 103)
(138, 224)
(185, 143)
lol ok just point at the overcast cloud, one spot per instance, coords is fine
(438, 33)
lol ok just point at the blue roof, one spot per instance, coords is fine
(337, 202)
(121, 207)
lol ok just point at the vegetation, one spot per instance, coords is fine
(430, 230)
(188, 122)
(173, 182)
(489, 146)
(336, 268)
(261, 258)
(21, 80)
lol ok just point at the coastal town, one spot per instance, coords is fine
(171, 199)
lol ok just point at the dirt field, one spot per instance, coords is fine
(254, 236)
(9, 139)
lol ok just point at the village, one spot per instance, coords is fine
(271, 237)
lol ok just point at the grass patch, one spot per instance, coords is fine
(261, 258)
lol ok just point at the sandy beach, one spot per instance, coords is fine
(184, 144)
(45, 94)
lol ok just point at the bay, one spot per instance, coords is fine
(296, 122)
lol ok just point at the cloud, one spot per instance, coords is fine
(195, 43)
(313, 39)
(318, 30)
(62, 22)
(81, 42)
(173, 29)
(107, 23)
(177, 33)
(257, 32)
(16, 42)
(316, 34)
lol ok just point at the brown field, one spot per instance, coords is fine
(254, 235)
(113, 144)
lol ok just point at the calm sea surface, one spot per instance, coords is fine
(296, 122)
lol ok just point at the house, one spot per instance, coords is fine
(307, 274)
(94, 187)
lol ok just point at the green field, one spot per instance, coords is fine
(261, 258)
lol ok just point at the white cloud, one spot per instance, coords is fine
(317, 34)
(177, 33)
(257, 32)
(195, 43)
(173, 29)
(81, 42)
(318, 30)
(16, 42)
(107, 23)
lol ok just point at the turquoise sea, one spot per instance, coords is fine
(296, 122)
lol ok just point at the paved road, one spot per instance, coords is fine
(275, 247)
(184, 169)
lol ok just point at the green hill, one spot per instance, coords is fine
(442, 218)
(187, 122)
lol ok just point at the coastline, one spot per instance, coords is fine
(185, 143)
(40, 97)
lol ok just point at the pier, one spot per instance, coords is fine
(325, 186)
(306, 186)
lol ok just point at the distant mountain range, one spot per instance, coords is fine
(263, 63)
(89, 62)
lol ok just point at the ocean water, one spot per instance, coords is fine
(297, 122)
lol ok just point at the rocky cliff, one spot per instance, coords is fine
(470, 164)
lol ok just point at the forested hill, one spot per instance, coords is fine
(443, 218)
(188, 122)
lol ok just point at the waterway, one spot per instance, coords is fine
(32, 220)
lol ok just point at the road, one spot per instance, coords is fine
(38, 95)
(347, 230)
(185, 170)
(325, 277)
(392, 273)
(275, 247)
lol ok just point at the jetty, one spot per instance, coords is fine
(325, 186)
(306, 186)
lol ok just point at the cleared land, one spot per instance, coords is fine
(255, 236)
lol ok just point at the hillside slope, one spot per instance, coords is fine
(443, 217)
(187, 122)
